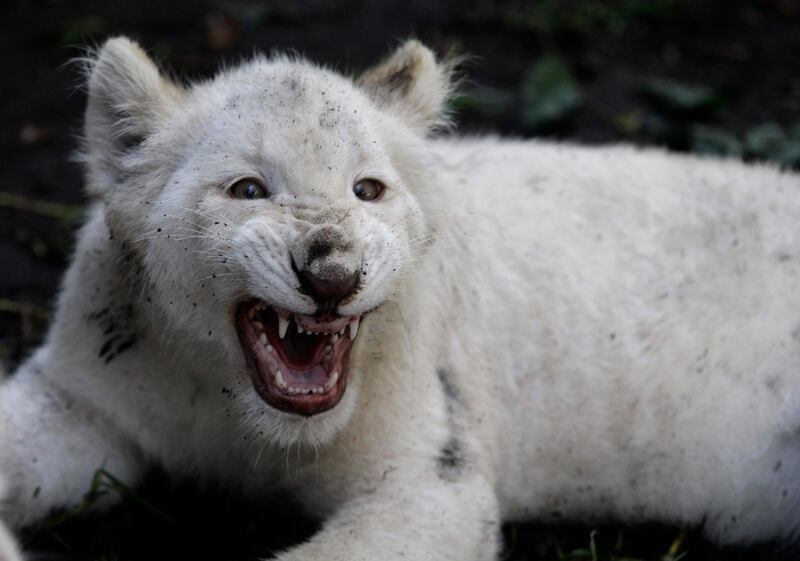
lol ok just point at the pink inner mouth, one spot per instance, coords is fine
(297, 363)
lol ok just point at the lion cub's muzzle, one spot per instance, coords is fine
(299, 363)
(327, 265)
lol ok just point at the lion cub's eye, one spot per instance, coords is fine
(248, 188)
(368, 189)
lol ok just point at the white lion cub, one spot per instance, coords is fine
(447, 333)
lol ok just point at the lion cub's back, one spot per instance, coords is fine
(640, 327)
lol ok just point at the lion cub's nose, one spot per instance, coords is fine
(326, 265)
(328, 292)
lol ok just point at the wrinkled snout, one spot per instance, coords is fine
(327, 265)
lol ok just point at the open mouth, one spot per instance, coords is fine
(297, 363)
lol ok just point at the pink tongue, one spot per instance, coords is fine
(312, 378)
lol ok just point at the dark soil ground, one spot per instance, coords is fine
(711, 76)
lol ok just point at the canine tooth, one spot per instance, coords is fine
(354, 328)
(334, 378)
(299, 329)
(335, 337)
(263, 338)
(279, 380)
(283, 325)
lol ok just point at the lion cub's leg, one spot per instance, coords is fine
(414, 515)
(8, 549)
(51, 445)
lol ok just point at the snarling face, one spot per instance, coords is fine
(273, 208)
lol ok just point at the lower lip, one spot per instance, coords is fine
(306, 405)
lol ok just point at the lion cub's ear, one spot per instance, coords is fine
(127, 97)
(412, 85)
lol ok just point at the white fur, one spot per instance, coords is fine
(8, 549)
(560, 331)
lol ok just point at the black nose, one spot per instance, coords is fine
(327, 292)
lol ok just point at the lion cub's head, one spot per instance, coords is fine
(274, 206)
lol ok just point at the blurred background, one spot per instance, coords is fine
(718, 77)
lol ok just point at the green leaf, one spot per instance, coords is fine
(770, 142)
(550, 93)
(765, 140)
(716, 141)
(789, 154)
(679, 97)
(486, 102)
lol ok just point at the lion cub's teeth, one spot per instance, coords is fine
(283, 325)
(279, 380)
(299, 329)
(330, 383)
(258, 325)
(263, 338)
(354, 328)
